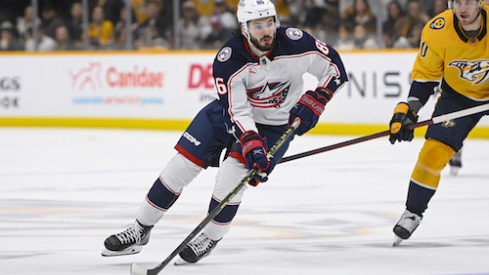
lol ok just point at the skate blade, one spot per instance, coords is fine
(397, 241)
(454, 170)
(181, 261)
(128, 251)
(138, 270)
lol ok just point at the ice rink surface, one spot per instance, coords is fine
(63, 191)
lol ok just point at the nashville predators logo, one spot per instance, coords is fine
(476, 72)
(449, 124)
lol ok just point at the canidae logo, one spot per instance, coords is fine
(87, 76)
(95, 77)
(476, 72)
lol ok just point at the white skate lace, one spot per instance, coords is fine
(132, 234)
(201, 244)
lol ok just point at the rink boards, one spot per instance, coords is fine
(165, 89)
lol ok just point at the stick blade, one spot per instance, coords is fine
(138, 270)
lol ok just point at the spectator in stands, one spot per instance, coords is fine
(100, 31)
(363, 39)
(361, 14)
(139, 9)
(8, 39)
(438, 7)
(25, 22)
(416, 14)
(396, 19)
(44, 42)
(156, 31)
(218, 36)
(112, 9)
(74, 23)
(63, 40)
(228, 19)
(120, 35)
(414, 34)
(297, 12)
(206, 8)
(194, 27)
(393, 39)
(50, 20)
(332, 17)
(345, 39)
(314, 13)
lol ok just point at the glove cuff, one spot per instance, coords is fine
(249, 141)
(325, 93)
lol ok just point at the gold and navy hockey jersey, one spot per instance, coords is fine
(447, 53)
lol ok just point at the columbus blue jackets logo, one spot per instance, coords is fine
(294, 34)
(224, 54)
(476, 72)
(270, 95)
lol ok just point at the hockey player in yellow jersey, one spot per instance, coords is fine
(454, 50)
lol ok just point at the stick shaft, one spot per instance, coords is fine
(434, 120)
(136, 270)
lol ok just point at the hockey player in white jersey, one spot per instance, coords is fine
(258, 78)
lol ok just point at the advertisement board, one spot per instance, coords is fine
(176, 85)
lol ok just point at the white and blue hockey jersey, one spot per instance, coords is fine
(264, 89)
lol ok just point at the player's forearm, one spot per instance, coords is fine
(420, 93)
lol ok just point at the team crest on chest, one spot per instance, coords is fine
(476, 72)
(269, 95)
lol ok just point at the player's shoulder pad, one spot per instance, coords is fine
(293, 33)
(295, 41)
(437, 28)
(231, 57)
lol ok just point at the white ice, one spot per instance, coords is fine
(63, 191)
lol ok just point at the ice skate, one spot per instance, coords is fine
(127, 242)
(197, 249)
(455, 163)
(405, 227)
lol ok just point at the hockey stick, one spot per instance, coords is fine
(138, 270)
(434, 120)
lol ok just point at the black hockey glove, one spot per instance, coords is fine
(308, 109)
(403, 116)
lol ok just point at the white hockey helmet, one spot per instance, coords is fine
(255, 9)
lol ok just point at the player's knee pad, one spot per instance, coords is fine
(432, 159)
(179, 172)
(229, 175)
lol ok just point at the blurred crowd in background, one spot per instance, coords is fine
(204, 24)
